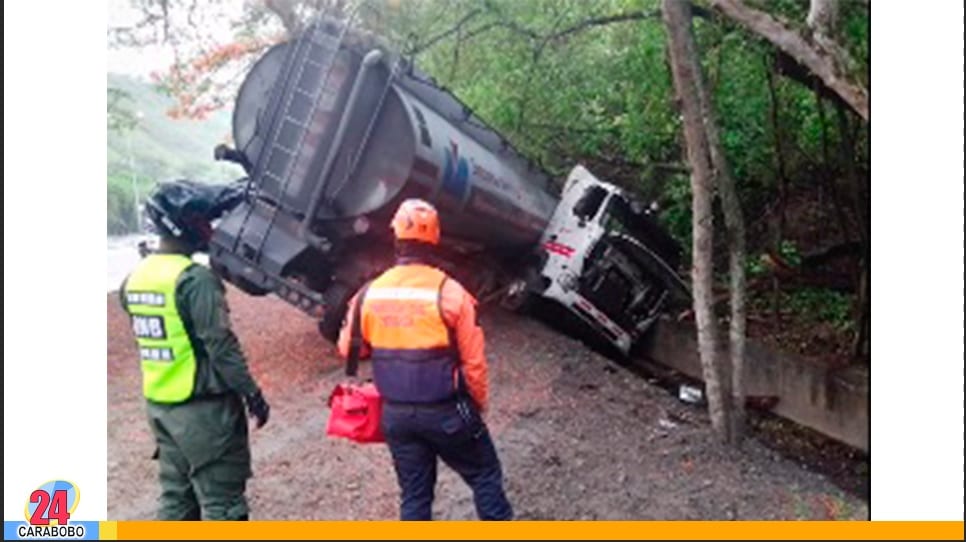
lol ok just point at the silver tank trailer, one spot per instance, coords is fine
(403, 137)
(333, 135)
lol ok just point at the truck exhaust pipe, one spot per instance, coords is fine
(371, 59)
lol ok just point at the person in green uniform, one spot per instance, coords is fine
(195, 377)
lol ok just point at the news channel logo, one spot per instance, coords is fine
(49, 514)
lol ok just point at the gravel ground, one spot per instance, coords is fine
(579, 436)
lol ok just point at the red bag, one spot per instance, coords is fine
(356, 411)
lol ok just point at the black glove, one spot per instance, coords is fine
(257, 408)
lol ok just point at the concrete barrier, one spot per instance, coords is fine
(834, 402)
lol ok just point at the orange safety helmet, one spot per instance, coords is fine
(416, 220)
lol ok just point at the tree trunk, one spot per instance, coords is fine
(823, 16)
(779, 232)
(856, 184)
(685, 70)
(859, 204)
(285, 11)
(827, 179)
(816, 52)
(735, 224)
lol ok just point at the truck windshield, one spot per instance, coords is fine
(621, 217)
(588, 205)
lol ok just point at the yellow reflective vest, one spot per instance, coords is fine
(168, 363)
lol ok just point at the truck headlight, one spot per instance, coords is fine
(568, 281)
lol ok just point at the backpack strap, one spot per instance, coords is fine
(450, 332)
(454, 347)
(355, 334)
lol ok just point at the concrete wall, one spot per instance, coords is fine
(834, 402)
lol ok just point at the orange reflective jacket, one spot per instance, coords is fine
(420, 330)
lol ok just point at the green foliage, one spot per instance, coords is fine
(821, 305)
(119, 115)
(676, 213)
(121, 211)
(754, 267)
(808, 305)
(156, 146)
(789, 252)
(603, 95)
(856, 31)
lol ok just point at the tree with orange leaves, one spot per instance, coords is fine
(207, 65)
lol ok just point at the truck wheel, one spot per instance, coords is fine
(337, 298)
(248, 286)
(517, 297)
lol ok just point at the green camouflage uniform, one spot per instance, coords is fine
(202, 443)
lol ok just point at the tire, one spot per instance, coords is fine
(337, 297)
(248, 286)
(523, 302)
(519, 302)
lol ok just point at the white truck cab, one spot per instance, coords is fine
(600, 264)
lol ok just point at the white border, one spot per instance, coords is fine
(54, 207)
(917, 255)
(54, 317)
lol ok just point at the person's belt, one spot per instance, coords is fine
(214, 396)
(449, 401)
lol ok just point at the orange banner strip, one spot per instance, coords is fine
(541, 530)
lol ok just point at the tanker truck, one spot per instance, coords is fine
(334, 130)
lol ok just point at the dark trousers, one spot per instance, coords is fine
(417, 435)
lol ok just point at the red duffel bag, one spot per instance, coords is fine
(356, 410)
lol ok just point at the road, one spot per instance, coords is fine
(122, 257)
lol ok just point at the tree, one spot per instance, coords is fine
(735, 227)
(709, 170)
(119, 117)
(686, 72)
(207, 69)
(817, 50)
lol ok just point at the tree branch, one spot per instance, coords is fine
(825, 62)
(166, 18)
(285, 10)
(439, 37)
(601, 21)
(539, 39)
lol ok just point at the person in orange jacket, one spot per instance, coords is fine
(419, 327)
